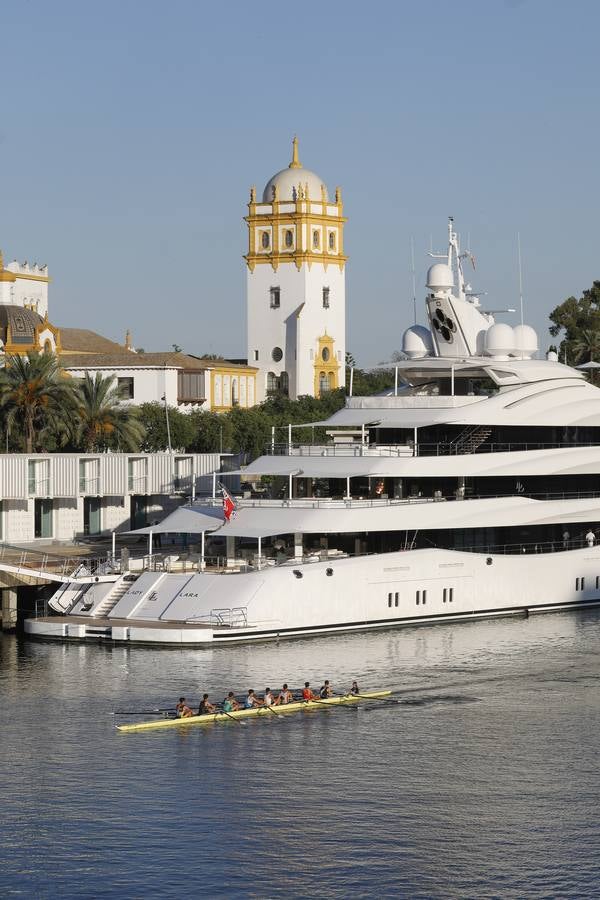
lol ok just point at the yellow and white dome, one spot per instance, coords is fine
(293, 181)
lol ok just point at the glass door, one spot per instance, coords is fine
(91, 515)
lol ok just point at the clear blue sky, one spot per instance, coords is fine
(132, 132)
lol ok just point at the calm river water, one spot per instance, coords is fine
(482, 783)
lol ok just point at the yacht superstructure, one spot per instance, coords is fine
(469, 489)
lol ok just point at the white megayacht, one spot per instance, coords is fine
(470, 489)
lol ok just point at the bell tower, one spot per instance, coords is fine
(296, 284)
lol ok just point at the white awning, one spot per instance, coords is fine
(186, 520)
(326, 517)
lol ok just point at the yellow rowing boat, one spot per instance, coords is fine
(256, 711)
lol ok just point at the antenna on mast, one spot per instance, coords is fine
(412, 270)
(520, 275)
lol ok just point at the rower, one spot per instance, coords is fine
(182, 709)
(326, 690)
(285, 696)
(252, 700)
(206, 706)
(268, 699)
(354, 689)
(230, 704)
(307, 694)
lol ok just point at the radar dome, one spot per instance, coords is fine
(500, 340)
(440, 277)
(417, 342)
(526, 341)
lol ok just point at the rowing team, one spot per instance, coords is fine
(230, 704)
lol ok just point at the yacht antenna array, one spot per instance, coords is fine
(520, 275)
(412, 270)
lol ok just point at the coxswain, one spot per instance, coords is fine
(230, 704)
(268, 699)
(285, 696)
(252, 700)
(182, 709)
(307, 694)
(206, 706)
(354, 689)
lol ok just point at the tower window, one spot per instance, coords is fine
(289, 238)
(284, 383)
(323, 383)
(325, 354)
(271, 382)
(277, 354)
(332, 240)
(255, 352)
(316, 240)
(325, 298)
(275, 295)
(265, 240)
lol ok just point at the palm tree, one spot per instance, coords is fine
(35, 396)
(587, 345)
(101, 419)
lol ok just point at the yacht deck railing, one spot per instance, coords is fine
(410, 449)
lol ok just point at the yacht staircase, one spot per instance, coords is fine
(471, 439)
(112, 598)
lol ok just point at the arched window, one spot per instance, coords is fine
(265, 240)
(235, 397)
(332, 240)
(323, 383)
(284, 383)
(289, 238)
(47, 346)
(325, 354)
(271, 381)
(316, 240)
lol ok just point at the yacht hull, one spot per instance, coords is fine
(409, 588)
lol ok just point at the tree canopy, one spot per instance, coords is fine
(578, 319)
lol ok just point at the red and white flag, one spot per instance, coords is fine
(228, 503)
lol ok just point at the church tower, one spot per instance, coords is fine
(296, 284)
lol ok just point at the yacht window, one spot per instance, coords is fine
(451, 594)
(389, 599)
(597, 581)
(424, 597)
(577, 584)
(583, 584)
(445, 594)
(418, 597)
(396, 599)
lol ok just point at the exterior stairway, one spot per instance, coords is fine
(112, 598)
(471, 439)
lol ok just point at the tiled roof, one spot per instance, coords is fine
(82, 340)
(127, 359)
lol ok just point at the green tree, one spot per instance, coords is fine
(578, 319)
(154, 421)
(101, 421)
(212, 432)
(35, 398)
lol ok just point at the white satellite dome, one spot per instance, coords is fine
(440, 277)
(526, 341)
(417, 342)
(500, 340)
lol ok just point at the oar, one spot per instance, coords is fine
(225, 713)
(270, 708)
(143, 712)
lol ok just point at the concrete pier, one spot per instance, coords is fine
(9, 609)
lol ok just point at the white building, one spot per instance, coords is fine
(63, 496)
(296, 284)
